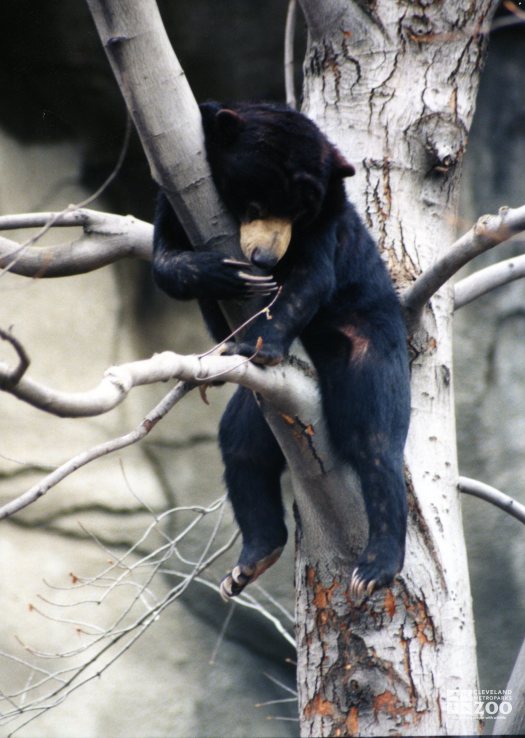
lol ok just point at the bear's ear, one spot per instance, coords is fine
(341, 167)
(228, 124)
(309, 193)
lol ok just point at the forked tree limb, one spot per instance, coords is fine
(489, 231)
(11, 377)
(107, 238)
(118, 381)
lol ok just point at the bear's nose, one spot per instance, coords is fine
(263, 258)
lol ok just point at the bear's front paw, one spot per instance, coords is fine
(377, 566)
(259, 352)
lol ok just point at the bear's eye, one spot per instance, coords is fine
(255, 211)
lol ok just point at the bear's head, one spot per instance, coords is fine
(274, 170)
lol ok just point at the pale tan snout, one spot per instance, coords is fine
(264, 242)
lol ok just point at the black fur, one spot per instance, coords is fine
(336, 296)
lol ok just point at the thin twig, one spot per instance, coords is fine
(102, 449)
(263, 311)
(52, 688)
(112, 635)
(56, 216)
(492, 495)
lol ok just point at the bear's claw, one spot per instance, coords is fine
(236, 580)
(377, 567)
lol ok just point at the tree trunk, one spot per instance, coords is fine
(394, 86)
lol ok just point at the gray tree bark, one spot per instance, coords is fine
(394, 85)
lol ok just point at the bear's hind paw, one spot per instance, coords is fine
(376, 568)
(236, 580)
(234, 583)
(360, 586)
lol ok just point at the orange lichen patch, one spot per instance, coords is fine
(352, 721)
(422, 621)
(287, 418)
(309, 430)
(389, 603)
(387, 703)
(323, 595)
(310, 576)
(424, 625)
(319, 706)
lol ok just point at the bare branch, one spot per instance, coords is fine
(13, 376)
(53, 217)
(107, 238)
(103, 449)
(168, 122)
(289, 33)
(119, 380)
(492, 495)
(103, 642)
(165, 114)
(488, 279)
(489, 231)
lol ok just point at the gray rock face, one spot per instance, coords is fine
(490, 369)
(183, 676)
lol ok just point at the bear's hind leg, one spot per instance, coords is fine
(366, 397)
(385, 499)
(253, 466)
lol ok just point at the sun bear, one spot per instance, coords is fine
(282, 180)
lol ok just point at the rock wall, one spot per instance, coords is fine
(490, 367)
(164, 685)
